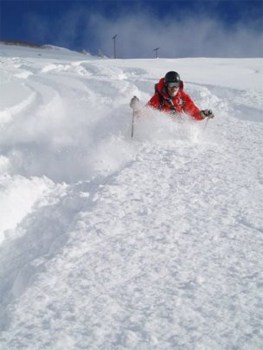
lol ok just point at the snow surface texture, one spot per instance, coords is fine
(113, 243)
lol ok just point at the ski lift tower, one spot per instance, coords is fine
(156, 52)
(114, 45)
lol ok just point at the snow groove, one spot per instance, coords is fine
(42, 235)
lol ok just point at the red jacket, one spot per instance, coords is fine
(180, 103)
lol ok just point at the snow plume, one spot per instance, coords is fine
(140, 31)
(66, 138)
(202, 36)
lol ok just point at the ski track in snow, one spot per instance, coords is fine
(113, 243)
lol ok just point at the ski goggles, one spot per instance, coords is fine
(173, 85)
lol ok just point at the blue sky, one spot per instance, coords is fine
(180, 28)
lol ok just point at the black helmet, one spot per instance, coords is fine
(172, 77)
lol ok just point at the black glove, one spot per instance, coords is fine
(134, 102)
(207, 113)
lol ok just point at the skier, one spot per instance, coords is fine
(170, 97)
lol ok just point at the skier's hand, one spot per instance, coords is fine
(134, 104)
(207, 113)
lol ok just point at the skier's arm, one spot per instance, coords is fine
(191, 109)
(197, 114)
(139, 109)
(136, 106)
(154, 102)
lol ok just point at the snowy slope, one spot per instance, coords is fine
(113, 243)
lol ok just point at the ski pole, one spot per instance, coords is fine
(208, 114)
(132, 124)
(133, 103)
(206, 122)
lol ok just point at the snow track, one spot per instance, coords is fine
(150, 243)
